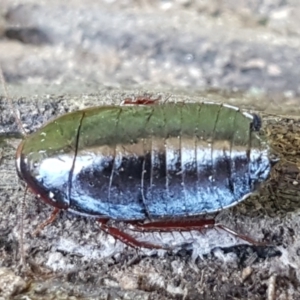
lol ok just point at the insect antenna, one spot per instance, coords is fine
(167, 99)
(22, 252)
(21, 127)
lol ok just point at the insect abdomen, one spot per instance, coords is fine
(165, 161)
(138, 162)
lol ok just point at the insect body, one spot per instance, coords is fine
(146, 162)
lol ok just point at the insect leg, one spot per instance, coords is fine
(47, 222)
(175, 225)
(188, 225)
(141, 100)
(126, 238)
(241, 236)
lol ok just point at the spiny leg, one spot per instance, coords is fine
(141, 100)
(127, 238)
(239, 235)
(47, 222)
(188, 225)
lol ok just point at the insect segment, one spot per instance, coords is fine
(162, 163)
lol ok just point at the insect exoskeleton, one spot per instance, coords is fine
(147, 162)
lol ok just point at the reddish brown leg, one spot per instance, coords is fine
(188, 225)
(47, 222)
(126, 238)
(141, 100)
(241, 236)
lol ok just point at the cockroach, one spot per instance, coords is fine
(165, 164)
(158, 167)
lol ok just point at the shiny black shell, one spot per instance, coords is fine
(146, 161)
